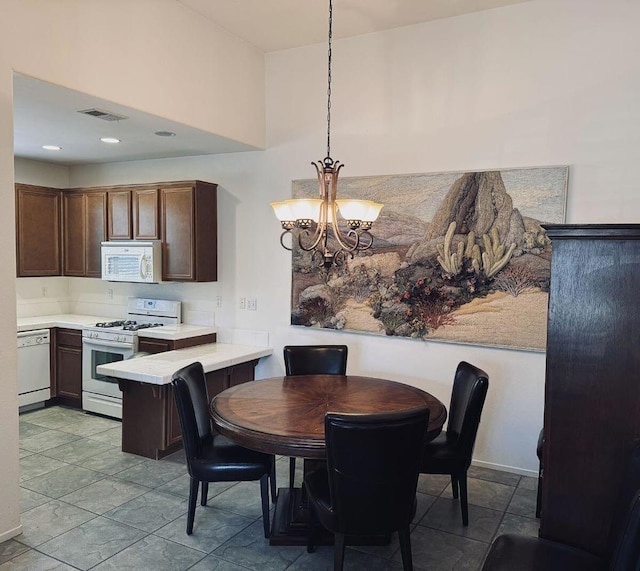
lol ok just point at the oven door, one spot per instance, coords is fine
(97, 352)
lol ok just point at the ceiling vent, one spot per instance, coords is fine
(102, 114)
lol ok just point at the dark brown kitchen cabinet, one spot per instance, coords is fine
(67, 367)
(188, 215)
(84, 229)
(145, 214)
(592, 394)
(37, 231)
(119, 214)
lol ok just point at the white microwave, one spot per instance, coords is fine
(132, 261)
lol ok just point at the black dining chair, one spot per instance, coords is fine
(450, 452)
(511, 552)
(368, 486)
(313, 360)
(212, 457)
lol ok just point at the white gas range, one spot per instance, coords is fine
(116, 341)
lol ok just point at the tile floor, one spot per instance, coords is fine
(87, 505)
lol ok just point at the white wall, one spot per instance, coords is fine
(153, 55)
(540, 83)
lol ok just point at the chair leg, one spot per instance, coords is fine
(292, 471)
(338, 554)
(272, 481)
(454, 486)
(539, 494)
(264, 494)
(205, 493)
(313, 526)
(193, 498)
(405, 548)
(464, 505)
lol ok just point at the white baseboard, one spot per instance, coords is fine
(11, 533)
(502, 468)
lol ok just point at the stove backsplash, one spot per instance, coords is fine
(52, 295)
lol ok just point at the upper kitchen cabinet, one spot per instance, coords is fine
(189, 231)
(37, 231)
(146, 216)
(85, 227)
(119, 214)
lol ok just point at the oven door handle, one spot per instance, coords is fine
(112, 344)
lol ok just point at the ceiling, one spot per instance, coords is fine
(47, 114)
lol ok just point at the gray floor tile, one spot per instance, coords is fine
(78, 450)
(50, 520)
(46, 440)
(111, 436)
(499, 476)
(486, 494)
(37, 465)
(10, 549)
(150, 511)
(152, 473)
(433, 484)
(89, 425)
(440, 551)
(213, 563)
(53, 418)
(92, 542)
(62, 481)
(113, 462)
(27, 429)
(425, 501)
(243, 498)
(177, 457)
(512, 523)
(322, 560)
(152, 553)
(180, 487)
(34, 561)
(24, 453)
(445, 515)
(30, 500)
(528, 483)
(249, 548)
(523, 503)
(104, 495)
(212, 527)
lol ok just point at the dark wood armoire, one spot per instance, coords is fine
(592, 391)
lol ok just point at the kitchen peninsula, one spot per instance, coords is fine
(150, 425)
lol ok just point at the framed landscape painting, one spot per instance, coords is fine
(459, 257)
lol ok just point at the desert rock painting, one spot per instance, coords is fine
(457, 257)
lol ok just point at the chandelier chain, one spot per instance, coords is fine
(329, 83)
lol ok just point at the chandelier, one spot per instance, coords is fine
(317, 218)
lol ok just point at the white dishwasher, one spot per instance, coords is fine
(33, 367)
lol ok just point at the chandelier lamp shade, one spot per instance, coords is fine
(316, 219)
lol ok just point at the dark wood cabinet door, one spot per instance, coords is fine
(73, 223)
(154, 346)
(67, 356)
(592, 396)
(37, 231)
(119, 215)
(145, 214)
(176, 207)
(95, 232)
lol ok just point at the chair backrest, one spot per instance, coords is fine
(470, 386)
(315, 359)
(190, 391)
(624, 536)
(373, 462)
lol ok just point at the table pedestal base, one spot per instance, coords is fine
(290, 525)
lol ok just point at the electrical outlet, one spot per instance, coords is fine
(218, 301)
(243, 303)
(110, 293)
(44, 292)
(252, 304)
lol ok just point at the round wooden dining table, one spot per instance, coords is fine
(285, 415)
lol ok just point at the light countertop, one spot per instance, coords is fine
(175, 332)
(157, 369)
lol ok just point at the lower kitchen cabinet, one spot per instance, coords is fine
(150, 424)
(66, 378)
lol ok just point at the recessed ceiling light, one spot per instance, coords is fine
(52, 147)
(110, 140)
(165, 134)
